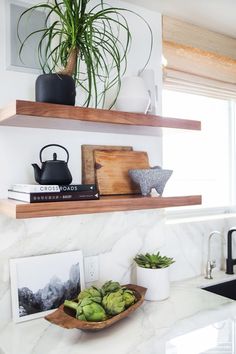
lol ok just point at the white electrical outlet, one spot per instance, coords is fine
(91, 269)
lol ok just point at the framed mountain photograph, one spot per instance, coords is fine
(41, 284)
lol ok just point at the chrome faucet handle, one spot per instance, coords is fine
(210, 265)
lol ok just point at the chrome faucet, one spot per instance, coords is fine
(230, 262)
(211, 264)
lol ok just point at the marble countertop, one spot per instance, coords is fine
(191, 321)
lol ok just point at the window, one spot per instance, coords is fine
(202, 161)
(199, 81)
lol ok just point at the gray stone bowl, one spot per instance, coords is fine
(154, 177)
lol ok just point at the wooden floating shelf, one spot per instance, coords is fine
(54, 116)
(19, 210)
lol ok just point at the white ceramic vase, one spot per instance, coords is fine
(156, 281)
(133, 96)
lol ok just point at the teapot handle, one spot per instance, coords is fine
(46, 146)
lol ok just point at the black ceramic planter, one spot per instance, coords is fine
(54, 88)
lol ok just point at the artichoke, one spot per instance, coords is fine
(110, 287)
(92, 293)
(87, 310)
(95, 304)
(114, 303)
(128, 297)
(72, 305)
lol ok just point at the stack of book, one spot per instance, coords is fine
(33, 193)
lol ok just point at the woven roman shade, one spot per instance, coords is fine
(198, 60)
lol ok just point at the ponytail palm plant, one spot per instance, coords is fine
(87, 40)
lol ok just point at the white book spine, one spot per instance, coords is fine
(34, 188)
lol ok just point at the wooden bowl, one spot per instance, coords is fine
(64, 317)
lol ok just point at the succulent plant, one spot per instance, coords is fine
(153, 261)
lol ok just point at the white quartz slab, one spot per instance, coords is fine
(147, 331)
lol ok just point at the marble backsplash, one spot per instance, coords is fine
(116, 238)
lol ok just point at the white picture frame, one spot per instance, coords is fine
(29, 62)
(40, 284)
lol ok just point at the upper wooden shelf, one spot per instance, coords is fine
(54, 116)
(19, 210)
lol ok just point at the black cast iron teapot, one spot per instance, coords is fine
(52, 171)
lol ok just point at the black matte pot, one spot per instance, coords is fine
(55, 88)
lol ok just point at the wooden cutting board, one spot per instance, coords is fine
(88, 170)
(112, 170)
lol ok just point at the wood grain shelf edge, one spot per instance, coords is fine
(32, 110)
(21, 210)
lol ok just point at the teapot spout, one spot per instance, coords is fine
(37, 173)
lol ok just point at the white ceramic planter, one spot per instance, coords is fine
(156, 281)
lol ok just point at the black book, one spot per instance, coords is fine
(53, 197)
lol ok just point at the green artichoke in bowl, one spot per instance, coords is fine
(98, 304)
(110, 287)
(92, 293)
(114, 303)
(129, 297)
(87, 310)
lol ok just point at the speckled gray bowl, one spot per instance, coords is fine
(147, 179)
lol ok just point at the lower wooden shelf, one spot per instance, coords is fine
(20, 210)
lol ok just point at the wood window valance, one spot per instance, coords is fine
(198, 57)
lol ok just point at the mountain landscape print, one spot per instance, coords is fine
(42, 283)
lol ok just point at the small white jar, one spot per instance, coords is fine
(156, 281)
(133, 95)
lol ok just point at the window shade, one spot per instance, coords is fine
(198, 59)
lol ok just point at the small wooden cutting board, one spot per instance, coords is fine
(112, 170)
(88, 170)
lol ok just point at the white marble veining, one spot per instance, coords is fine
(116, 238)
(149, 330)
